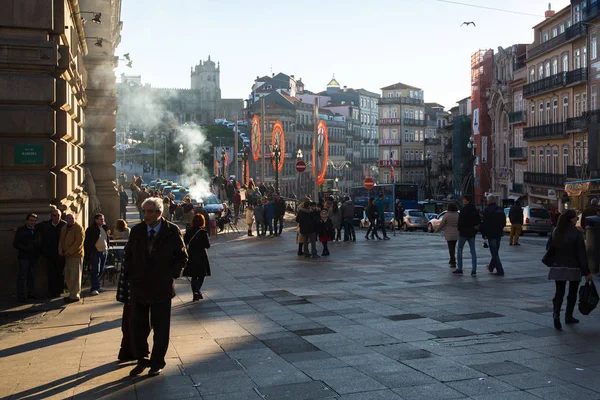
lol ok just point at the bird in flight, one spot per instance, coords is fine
(468, 23)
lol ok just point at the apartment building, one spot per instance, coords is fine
(402, 126)
(556, 99)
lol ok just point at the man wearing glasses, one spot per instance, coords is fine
(154, 258)
(27, 243)
(49, 236)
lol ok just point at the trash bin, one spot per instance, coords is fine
(592, 243)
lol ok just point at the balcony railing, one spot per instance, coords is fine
(389, 142)
(400, 100)
(389, 121)
(387, 163)
(543, 85)
(517, 152)
(539, 178)
(576, 172)
(576, 123)
(572, 32)
(518, 188)
(545, 131)
(433, 141)
(590, 12)
(516, 117)
(414, 163)
(414, 122)
(577, 75)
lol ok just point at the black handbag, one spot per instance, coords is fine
(588, 298)
(548, 258)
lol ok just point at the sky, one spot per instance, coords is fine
(365, 44)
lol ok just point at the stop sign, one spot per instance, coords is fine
(369, 183)
(300, 166)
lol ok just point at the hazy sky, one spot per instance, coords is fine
(366, 44)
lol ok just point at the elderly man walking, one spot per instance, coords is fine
(70, 247)
(155, 256)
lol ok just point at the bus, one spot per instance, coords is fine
(405, 193)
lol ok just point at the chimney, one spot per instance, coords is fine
(550, 13)
(345, 88)
(292, 76)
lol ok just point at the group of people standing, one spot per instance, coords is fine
(63, 245)
(268, 214)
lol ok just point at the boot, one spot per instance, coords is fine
(569, 312)
(250, 232)
(556, 314)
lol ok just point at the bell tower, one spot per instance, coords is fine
(205, 78)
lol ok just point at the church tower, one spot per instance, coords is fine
(205, 78)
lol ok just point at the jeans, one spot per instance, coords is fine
(26, 277)
(269, 224)
(197, 282)
(325, 249)
(461, 243)
(97, 261)
(495, 262)
(278, 221)
(338, 234)
(381, 222)
(349, 233)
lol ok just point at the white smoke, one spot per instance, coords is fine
(195, 146)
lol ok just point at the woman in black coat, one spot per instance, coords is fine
(198, 266)
(568, 258)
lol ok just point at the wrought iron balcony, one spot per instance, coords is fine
(543, 85)
(516, 117)
(573, 32)
(414, 122)
(414, 163)
(433, 141)
(389, 142)
(389, 121)
(400, 100)
(539, 178)
(517, 153)
(387, 163)
(590, 12)
(545, 131)
(576, 172)
(577, 75)
(576, 123)
(518, 188)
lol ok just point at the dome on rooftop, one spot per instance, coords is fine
(333, 83)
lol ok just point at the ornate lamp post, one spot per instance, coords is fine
(299, 157)
(428, 163)
(223, 162)
(473, 147)
(277, 158)
(339, 167)
(245, 153)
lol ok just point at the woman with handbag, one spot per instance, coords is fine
(450, 223)
(567, 258)
(197, 243)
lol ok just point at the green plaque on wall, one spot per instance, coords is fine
(29, 154)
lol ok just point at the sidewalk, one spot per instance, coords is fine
(375, 320)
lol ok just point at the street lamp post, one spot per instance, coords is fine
(473, 147)
(223, 162)
(245, 164)
(277, 158)
(339, 167)
(299, 157)
(428, 162)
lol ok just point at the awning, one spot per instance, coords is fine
(514, 197)
(584, 181)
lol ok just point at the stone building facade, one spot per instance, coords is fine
(57, 110)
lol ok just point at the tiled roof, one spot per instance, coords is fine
(400, 85)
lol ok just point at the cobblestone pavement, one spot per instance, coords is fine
(375, 320)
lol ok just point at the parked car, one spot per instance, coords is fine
(536, 219)
(435, 222)
(414, 219)
(212, 205)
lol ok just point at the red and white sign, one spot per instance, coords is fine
(369, 183)
(300, 166)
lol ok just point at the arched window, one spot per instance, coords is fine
(565, 63)
(548, 161)
(541, 114)
(555, 66)
(555, 110)
(547, 68)
(565, 159)
(548, 120)
(565, 111)
(532, 159)
(541, 71)
(541, 163)
(532, 114)
(531, 75)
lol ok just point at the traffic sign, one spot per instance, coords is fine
(369, 183)
(300, 166)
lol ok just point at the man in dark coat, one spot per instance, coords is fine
(468, 221)
(347, 217)
(515, 215)
(49, 232)
(492, 229)
(155, 256)
(591, 211)
(95, 248)
(279, 205)
(124, 200)
(27, 243)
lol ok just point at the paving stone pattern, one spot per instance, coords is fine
(375, 320)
